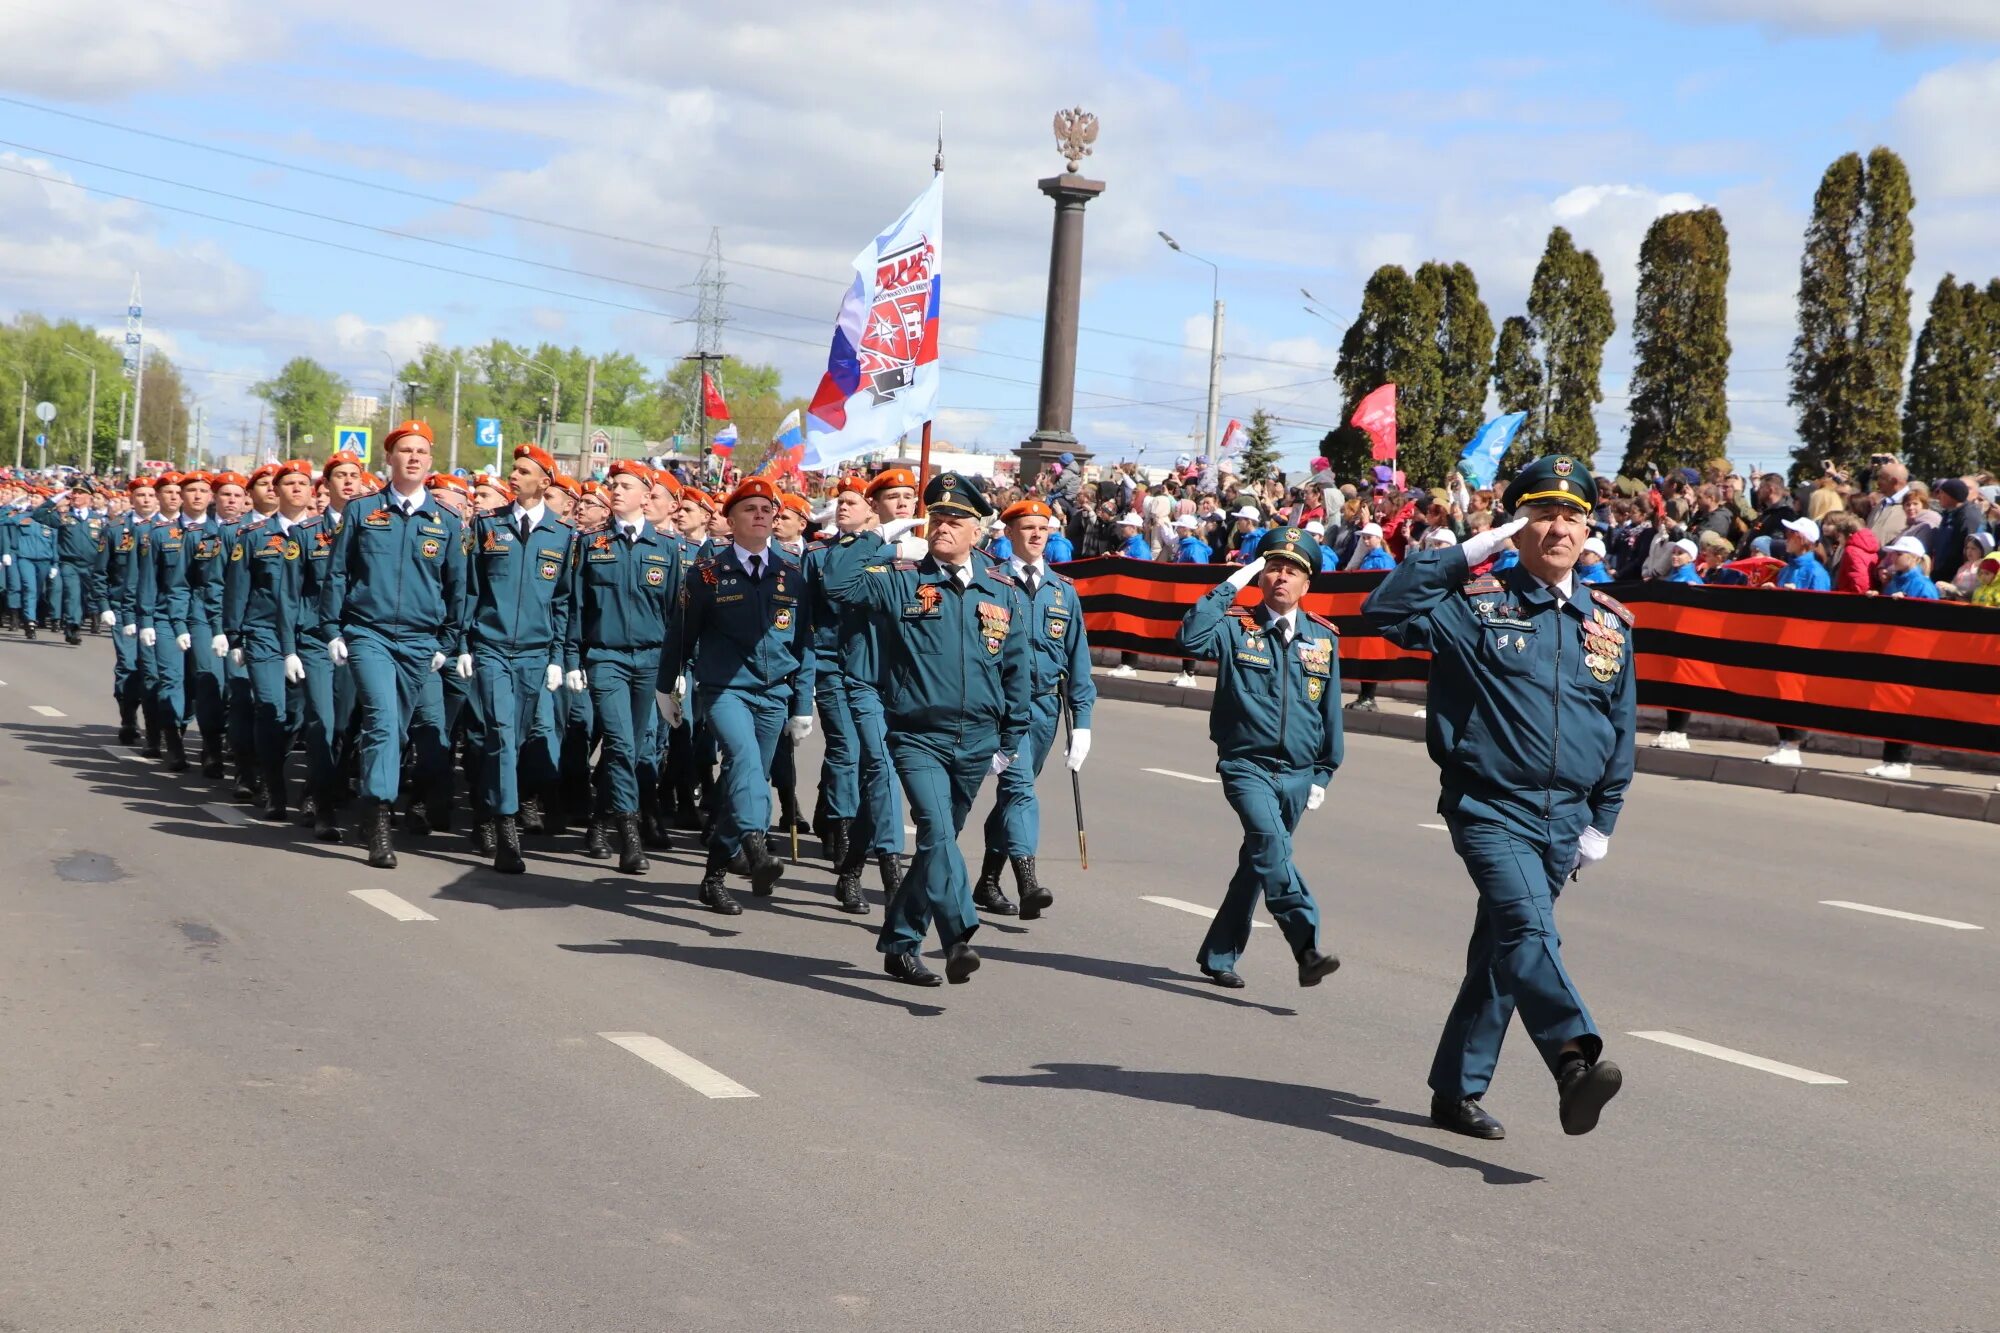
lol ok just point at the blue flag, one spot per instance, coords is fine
(1481, 458)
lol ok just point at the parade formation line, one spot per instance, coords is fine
(1944, 921)
(1743, 1058)
(710, 1083)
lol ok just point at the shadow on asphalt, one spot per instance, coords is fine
(1344, 1115)
(1136, 974)
(829, 976)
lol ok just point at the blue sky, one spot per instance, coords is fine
(1295, 145)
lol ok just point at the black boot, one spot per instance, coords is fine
(653, 830)
(438, 806)
(246, 784)
(177, 760)
(28, 631)
(987, 895)
(128, 723)
(908, 967)
(835, 838)
(507, 846)
(848, 893)
(152, 747)
(596, 845)
(788, 814)
(891, 866)
(274, 808)
(714, 893)
(381, 845)
(530, 817)
(1035, 896)
(486, 836)
(71, 637)
(631, 846)
(687, 810)
(211, 759)
(764, 868)
(1464, 1115)
(325, 827)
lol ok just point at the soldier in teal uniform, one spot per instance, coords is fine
(264, 613)
(955, 676)
(120, 553)
(394, 607)
(261, 503)
(85, 537)
(1061, 678)
(840, 765)
(1530, 723)
(160, 609)
(208, 565)
(329, 690)
(752, 667)
(33, 556)
(1277, 731)
(626, 647)
(518, 594)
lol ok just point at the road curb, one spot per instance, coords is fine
(1690, 765)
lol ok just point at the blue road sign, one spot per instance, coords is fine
(354, 439)
(489, 432)
(41, 439)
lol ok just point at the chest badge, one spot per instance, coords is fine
(655, 575)
(431, 548)
(928, 597)
(783, 620)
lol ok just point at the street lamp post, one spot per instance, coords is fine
(90, 412)
(1214, 346)
(555, 399)
(21, 433)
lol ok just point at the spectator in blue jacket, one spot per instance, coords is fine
(1374, 555)
(1802, 567)
(1590, 566)
(1190, 549)
(1684, 555)
(1329, 559)
(1906, 575)
(1132, 543)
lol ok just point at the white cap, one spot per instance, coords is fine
(1805, 527)
(1247, 511)
(1188, 523)
(1595, 545)
(1371, 529)
(1685, 545)
(1438, 537)
(1316, 528)
(1131, 521)
(1907, 544)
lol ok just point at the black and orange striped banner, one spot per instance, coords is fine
(1923, 672)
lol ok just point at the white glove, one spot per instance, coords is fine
(552, 678)
(669, 706)
(219, 645)
(576, 682)
(6, 560)
(129, 630)
(437, 661)
(183, 641)
(798, 728)
(55, 572)
(295, 670)
(1241, 578)
(236, 657)
(463, 665)
(1079, 748)
(1591, 847)
(336, 651)
(1315, 796)
(897, 527)
(1002, 761)
(1482, 546)
(147, 638)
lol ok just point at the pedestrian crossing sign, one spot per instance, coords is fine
(352, 439)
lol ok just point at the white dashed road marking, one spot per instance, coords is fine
(708, 1082)
(1944, 921)
(1184, 777)
(1193, 909)
(1439, 827)
(1737, 1057)
(120, 755)
(386, 901)
(228, 814)
(47, 711)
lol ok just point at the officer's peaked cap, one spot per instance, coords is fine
(1554, 479)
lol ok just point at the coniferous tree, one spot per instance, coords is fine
(1571, 316)
(1260, 448)
(1680, 325)
(1394, 340)
(1465, 348)
(1948, 421)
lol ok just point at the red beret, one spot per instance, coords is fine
(538, 456)
(1026, 509)
(751, 488)
(422, 428)
(888, 478)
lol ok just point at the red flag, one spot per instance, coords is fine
(1376, 414)
(711, 400)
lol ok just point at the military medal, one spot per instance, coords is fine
(928, 597)
(784, 618)
(993, 622)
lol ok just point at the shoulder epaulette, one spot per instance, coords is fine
(1485, 583)
(999, 575)
(1244, 616)
(815, 545)
(903, 566)
(1611, 604)
(1323, 622)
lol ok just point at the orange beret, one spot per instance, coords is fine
(662, 477)
(298, 465)
(139, 481)
(851, 482)
(538, 456)
(447, 481)
(696, 495)
(1026, 509)
(563, 481)
(202, 477)
(891, 477)
(751, 488)
(170, 479)
(231, 479)
(339, 457)
(795, 502)
(500, 484)
(593, 489)
(422, 428)
(630, 467)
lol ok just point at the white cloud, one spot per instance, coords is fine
(92, 49)
(1894, 20)
(1944, 124)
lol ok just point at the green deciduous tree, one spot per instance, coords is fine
(1948, 421)
(304, 397)
(1680, 325)
(1570, 315)
(1854, 312)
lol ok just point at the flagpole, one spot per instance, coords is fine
(924, 454)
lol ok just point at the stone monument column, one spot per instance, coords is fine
(1076, 130)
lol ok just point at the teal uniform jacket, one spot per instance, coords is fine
(823, 614)
(264, 606)
(402, 577)
(751, 636)
(317, 538)
(77, 539)
(119, 560)
(957, 662)
(1060, 656)
(31, 539)
(860, 633)
(162, 580)
(519, 593)
(1532, 695)
(628, 598)
(1270, 707)
(199, 602)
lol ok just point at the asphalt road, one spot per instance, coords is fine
(237, 1097)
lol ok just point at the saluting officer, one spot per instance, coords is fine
(1277, 732)
(752, 666)
(394, 607)
(517, 643)
(625, 650)
(1531, 721)
(264, 611)
(1061, 663)
(955, 676)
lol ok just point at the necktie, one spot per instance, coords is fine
(1034, 579)
(957, 575)
(1281, 631)
(756, 569)
(526, 527)
(631, 534)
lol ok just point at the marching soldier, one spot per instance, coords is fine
(662, 508)
(955, 676)
(626, 648)
(120, 542)
(160, 609)
(840, 764)
(752, 668)
(1277, 731)
(81, 569)
(1060, 659)
(33, 557)
(1531, 721)
(518, 593)
(207, 569)
(264, 611)
(394, 607)
(261, 494)
(329, 691)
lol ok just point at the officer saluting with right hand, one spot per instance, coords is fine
(1531, 720)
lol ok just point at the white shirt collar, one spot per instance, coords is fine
(1021, 568)
(1566, 589)
(408, 503)
(744, 556)
(284, 524)
(534, 516)
(1290, 620)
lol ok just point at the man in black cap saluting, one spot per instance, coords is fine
(954, 675)
(1531, 716)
